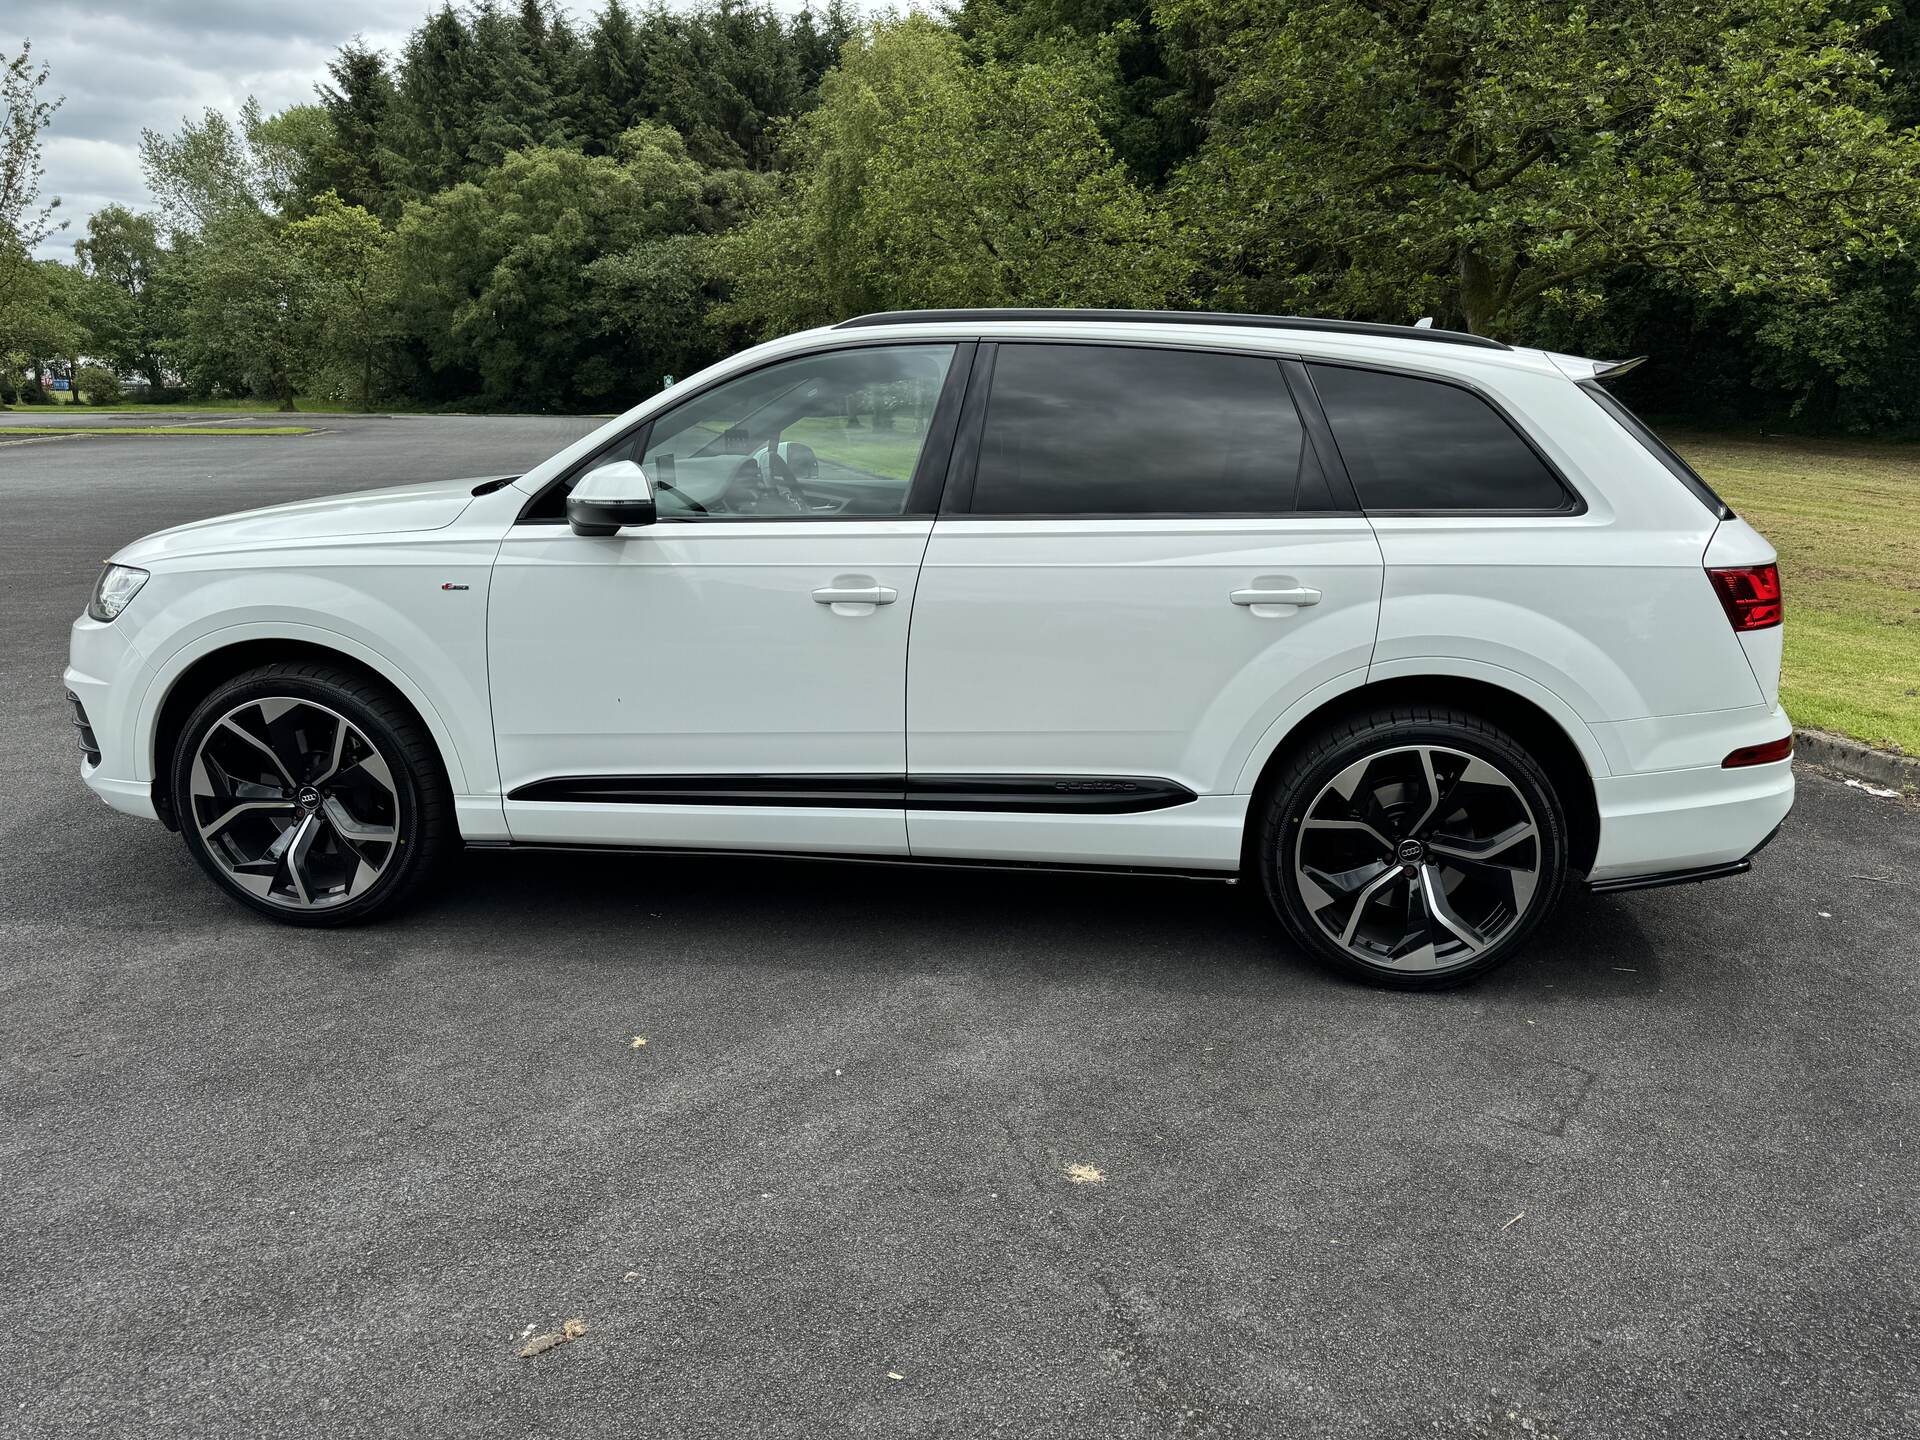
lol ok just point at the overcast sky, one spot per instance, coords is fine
(128, 64)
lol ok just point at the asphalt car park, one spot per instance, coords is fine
(906, 1152)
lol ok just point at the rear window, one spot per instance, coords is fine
(1658, 448)
(1111, 430)
(1412, 444)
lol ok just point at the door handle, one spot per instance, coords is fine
(1299, 595)
(855, 595)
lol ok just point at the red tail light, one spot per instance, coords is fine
(1750, 594)
(1781, 749)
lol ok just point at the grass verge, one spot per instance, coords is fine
(6, 430)
(1845, 517)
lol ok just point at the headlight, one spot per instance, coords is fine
(114, 591)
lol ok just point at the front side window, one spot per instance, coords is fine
(1412, 444)
(1108, 430)
(833, 434)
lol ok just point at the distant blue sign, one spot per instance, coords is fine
(61, 384)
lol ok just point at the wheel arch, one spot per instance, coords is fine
(172, 699)
(1568, 764)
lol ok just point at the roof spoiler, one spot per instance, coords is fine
(1579, 367)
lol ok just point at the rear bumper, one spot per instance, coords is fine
(1679, 877)
(1673, 826)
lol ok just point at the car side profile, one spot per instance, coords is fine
(1412, 629)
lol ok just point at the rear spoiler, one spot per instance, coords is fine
(1579, 367)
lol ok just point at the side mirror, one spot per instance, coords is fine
(609, 497)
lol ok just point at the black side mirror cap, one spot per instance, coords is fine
(607, 517)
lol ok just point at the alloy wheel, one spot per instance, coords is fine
(1419, 858)
(294, 802)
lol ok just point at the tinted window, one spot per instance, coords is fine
(1104, 430)
(1423, 445)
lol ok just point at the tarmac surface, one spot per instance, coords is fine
(1656, 1178)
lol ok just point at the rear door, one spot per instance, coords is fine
(1140, 564)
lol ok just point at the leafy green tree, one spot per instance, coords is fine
(122, 251)
(612, 80)
(248, 313)
(95, 385)
(25, 111)
(288, 150)
(1153, 100)
(494, 276)
(345, 254)
(212, 170)
(1481, 158)
(924, 180)
(47, 324)
(360, 160)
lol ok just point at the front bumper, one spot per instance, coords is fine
(97, 661)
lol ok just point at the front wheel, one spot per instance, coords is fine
(310, 794)
(1413, 847)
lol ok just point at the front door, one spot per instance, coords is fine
(732, 675)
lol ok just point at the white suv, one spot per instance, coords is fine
(1411, 628)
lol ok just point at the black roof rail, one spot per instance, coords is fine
(1174, 317)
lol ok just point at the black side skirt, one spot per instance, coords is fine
(1003, 794)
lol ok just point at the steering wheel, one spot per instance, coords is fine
(785, 481)
(750, 492)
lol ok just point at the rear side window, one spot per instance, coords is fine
(1659, 449)
(1412, 444)
(1108, 430)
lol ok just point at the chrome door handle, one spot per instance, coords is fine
(1301, 595)
(855, 595)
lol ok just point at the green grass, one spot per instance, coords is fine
(1845, 517)
(63, 406)
(7, 430)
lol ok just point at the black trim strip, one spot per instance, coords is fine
(930, 862)
(1001, 794)
(1668, 877)
(1306, 400)
(1046, 794)
(1174, 317)
(854, 792)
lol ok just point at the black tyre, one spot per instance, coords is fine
(311, 794)
(1413, 847)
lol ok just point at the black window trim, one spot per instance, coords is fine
(957, 504)
(1670, 459)
(923, 490)
(1574, 504)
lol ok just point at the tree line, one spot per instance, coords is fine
(510, 212)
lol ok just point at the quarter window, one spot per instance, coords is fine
(1108, 430)
(1413, 444)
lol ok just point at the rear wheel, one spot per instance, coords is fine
(1413, 847)
(311, 794)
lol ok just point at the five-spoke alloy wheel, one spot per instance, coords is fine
(1414, 849)
(303, 792)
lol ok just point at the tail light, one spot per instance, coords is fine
(1750, 594)
(1767, 754)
